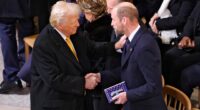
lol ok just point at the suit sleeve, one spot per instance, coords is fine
(110, 77)
(191, 25)
(149, 64)
(45, 64)
(98, 49)
(177, 20)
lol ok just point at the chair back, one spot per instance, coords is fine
(176, 99)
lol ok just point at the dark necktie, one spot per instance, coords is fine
(126, 46)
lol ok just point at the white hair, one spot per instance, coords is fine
(61, 11)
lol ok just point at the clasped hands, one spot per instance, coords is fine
(186, 42)
(92, 80)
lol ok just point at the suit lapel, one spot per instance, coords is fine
(69, 55)
(126, 56)
(63, 48)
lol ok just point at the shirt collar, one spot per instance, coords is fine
(62, 35)
(133, 33)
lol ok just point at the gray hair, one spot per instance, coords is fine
(61, 10)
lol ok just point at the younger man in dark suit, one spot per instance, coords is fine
(140, 63)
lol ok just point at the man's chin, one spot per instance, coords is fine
(118, 33)
(74, 32)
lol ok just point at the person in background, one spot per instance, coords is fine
(180, 10)
(190, 79)
(191, 41)
(186, 54)
(15, 23)
(98, 29)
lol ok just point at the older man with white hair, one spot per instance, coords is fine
(57, 77)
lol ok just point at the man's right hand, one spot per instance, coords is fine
(91, 80)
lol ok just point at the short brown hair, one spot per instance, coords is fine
(128, 10)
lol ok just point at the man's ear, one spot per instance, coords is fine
(60, 27)
(124, 20)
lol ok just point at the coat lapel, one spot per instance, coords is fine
(63, 48)
(126, 56)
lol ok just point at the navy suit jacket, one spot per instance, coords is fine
(141, 70)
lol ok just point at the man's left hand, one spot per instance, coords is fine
(121, 98)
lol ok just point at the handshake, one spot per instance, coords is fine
(92, 80)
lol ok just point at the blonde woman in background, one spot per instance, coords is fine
(98, 21)
(97, 28)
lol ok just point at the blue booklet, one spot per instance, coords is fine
(114, 90)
